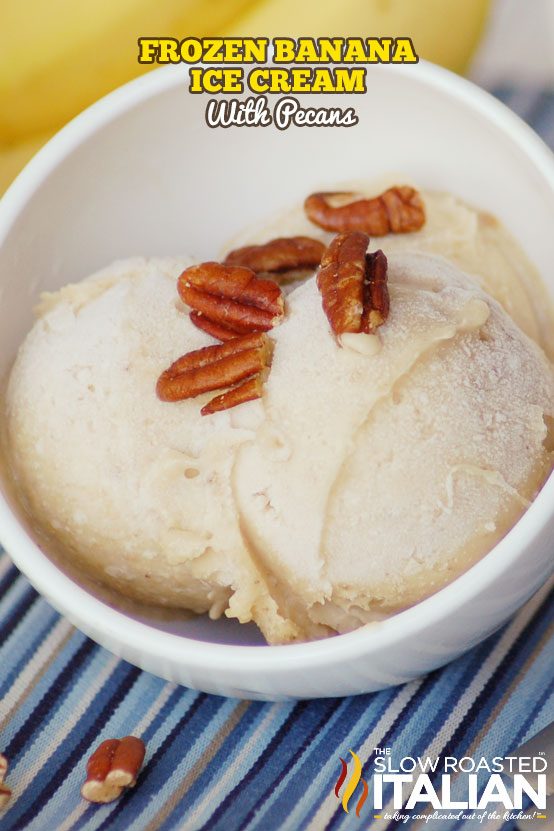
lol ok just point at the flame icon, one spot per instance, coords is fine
(352, 783)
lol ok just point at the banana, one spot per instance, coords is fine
(58, 56)
(443, 31)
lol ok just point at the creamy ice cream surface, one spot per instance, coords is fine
(471, 239)
(136, 491)
(370, 474)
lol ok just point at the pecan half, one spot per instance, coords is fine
(279, 255)
(231, 297)
(248, 391)
(215, 368)
(399, 210)
(113, 766)
(214, 329)
(5, 792)
(376, 292)
(353, 285)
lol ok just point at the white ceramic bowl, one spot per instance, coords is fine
(141, 173)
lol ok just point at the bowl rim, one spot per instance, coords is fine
(85, 610)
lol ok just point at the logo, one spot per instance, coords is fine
(351, 784)
(444, 787)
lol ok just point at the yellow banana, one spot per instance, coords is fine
(58, 56)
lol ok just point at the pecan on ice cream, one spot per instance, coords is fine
(399, 210)
(279, 256)
(242, 361)
(228, 300)
(353, 285)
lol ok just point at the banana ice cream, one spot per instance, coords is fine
(374, 469)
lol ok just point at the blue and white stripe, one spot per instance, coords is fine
(216, 763)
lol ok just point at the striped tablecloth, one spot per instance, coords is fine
(220, 764)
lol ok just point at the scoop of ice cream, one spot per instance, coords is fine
(136, 491)
(371, 473)
(385, 468)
